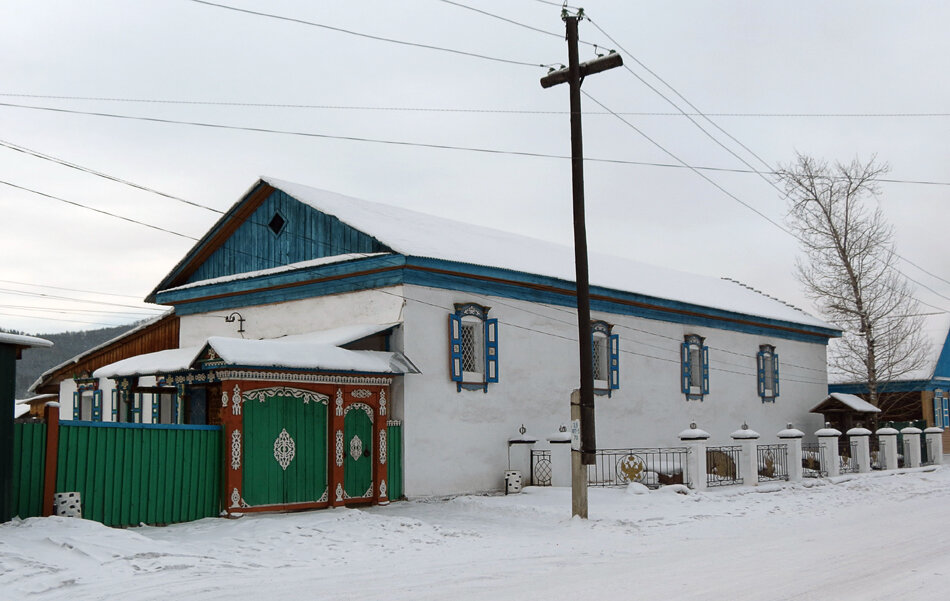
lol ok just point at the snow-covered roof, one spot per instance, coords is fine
(39, 397)
(936, 332)
(853, 402)
(316, 350)
(20, 410)
(421, 235)
(88, 352)
(25, 341)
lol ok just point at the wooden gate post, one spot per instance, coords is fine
(51, 413)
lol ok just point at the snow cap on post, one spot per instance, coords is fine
(791, 432)
(910, 430)
(858, 432)
(828, 431)
(744, 433)
(887, 432)
(693, 433)
(933, 430)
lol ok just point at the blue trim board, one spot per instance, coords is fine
(390, 270)
(897, 386)
(71, 423)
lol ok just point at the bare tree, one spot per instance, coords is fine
(849, 270)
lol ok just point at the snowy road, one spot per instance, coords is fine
(882, 536)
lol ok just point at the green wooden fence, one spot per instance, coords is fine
(29, 461)
(129, 474)
(394, 459)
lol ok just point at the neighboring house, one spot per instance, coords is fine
(923, 395)
(309, 322)
(32, 408)
(83, 397)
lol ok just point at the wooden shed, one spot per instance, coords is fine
(845, 411)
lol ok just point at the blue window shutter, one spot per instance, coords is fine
(760, 371)
(155, 413)
(115, 404)
(774, 374)
(685, 376)
(946, 412)
(938, 411)
(491, 350)
(614, 362)
(136, 400)
(455, 347)
(97, 406)
(77, 401)
(705, 370)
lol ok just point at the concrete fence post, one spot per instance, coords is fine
(861, 448)
(828, 446)
(748, 440)
(695, 441)
(793, 442)
(911, 446)
(887, 443)
(935, 444)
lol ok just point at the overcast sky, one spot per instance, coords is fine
(748, 58)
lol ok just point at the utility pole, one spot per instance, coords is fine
(582, 405)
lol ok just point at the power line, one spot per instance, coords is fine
(68, 289)
(436, 109)
(369, 36)
(60, 319)
(77, 300)
(66, 163)
(87, 207)
(382, 141)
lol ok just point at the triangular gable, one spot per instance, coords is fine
(267, 228)
(942, 369)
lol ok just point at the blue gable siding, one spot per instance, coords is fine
(307, 234)
(942, 370)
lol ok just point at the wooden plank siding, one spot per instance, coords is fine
(307, 234)
(159, 336)
(29, 461)
(129, 474)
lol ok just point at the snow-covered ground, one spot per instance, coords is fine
(880, 536)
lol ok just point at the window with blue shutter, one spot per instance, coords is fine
(97, 406)
(77, 405)
(115, 404)
(694, 375)
(767, 371)
(946, 412)
(605, 356)
(473, 347)
(938, 409)
(156, 409)
(614, 362)
(491, 350)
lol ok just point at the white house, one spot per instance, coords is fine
(473, 333)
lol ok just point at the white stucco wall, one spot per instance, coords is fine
(457, 441)
(296, 317)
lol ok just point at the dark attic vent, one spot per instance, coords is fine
(276, 224)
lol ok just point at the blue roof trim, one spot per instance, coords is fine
(320, 280)
(896, 386)
(525, 286)
(389, 270)
(72, 423)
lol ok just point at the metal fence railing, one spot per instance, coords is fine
(772, 462)
(813, 461)
(926, 452)
(652, 467)
(848, 458)
(540, 468)
(723, 466)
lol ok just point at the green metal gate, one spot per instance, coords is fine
(358, 463)
(285, 447)
(29, 461)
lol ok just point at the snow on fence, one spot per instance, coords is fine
(652, 467)
(723, 466)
